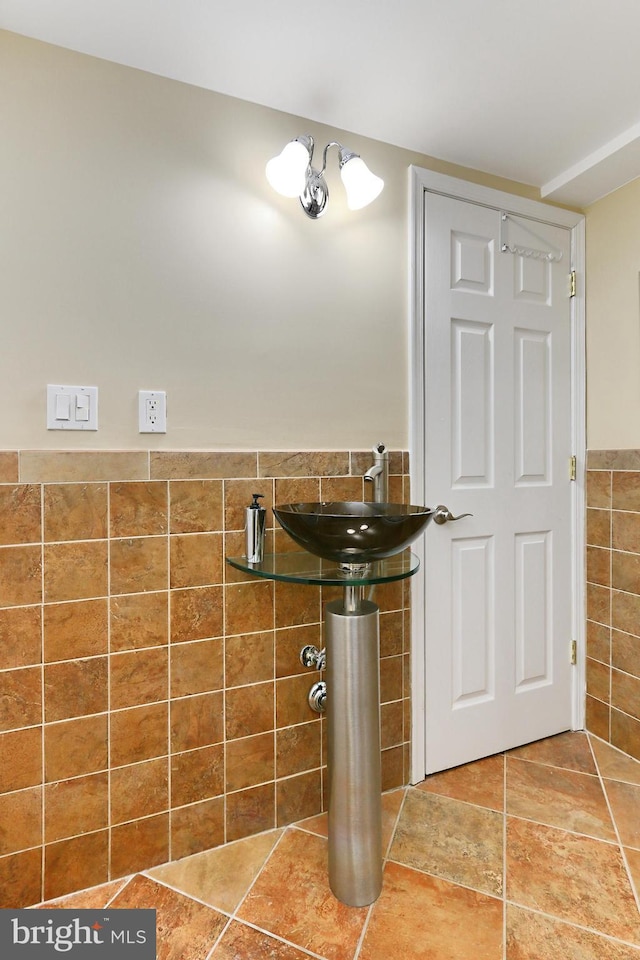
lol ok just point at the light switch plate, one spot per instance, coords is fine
(72, 408)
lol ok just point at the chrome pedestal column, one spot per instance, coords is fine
(352, 638)
(352, 707)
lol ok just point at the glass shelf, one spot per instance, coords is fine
(303, 567)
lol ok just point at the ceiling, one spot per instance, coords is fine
(544, 92)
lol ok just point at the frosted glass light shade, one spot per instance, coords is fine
(361, 186)
(287, 173)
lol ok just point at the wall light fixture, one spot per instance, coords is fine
(291, 174)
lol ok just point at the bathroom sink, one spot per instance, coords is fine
(353, 532)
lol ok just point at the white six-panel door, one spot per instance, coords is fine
(497, 444)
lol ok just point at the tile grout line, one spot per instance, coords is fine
(234, 916)
(467, 803)
(454, 883)
(385, 860)
(188, 896)
(275, 936)
(363, 932)
(125, 883)
(217, 940)
(576, 926)
(555, 766)
(146, 873)
(572, 833)
(622, 755)
(636, 893)
(386, 855)
(243, 898)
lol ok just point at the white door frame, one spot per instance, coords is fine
(422, 181)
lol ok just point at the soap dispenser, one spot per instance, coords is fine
(254, 529)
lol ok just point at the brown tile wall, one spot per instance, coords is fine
(152, 702)
(613, 597)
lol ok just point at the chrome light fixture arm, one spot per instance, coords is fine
(344, 155)
(315, 195)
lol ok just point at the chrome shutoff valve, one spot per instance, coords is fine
(318, 697)
(310, 656)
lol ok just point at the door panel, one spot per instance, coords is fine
(472, 403)
(532, 406)
(497, 444)
(471, 263)
(473, 628)
(533, 558)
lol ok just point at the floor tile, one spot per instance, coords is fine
(318, 825)
(89, 899)
(292, 899)
(560, 798)
(220, 877)
(420, 917)
(451, 839)
(481, 782)
(569, 750)
(571, 889)
(185, 930)
(240, 942)
(530, 936)
(391, 803)
(613, 764)
(625, 806)
(633, 860)
(570, 877)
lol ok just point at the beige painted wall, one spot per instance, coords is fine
(141, 247)
(613, 320)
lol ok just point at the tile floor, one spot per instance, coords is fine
(529, 855)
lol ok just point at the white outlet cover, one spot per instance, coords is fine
(152, 411)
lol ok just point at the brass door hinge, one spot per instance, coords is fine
(572, 283)
(573, 468)
(574, 653)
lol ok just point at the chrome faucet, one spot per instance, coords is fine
(378, 474)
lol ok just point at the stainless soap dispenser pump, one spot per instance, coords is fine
(254, 529)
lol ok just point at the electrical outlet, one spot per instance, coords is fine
(152, 411)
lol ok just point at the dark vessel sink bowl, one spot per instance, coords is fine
(353, 532)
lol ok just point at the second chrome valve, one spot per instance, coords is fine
(317, 698)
